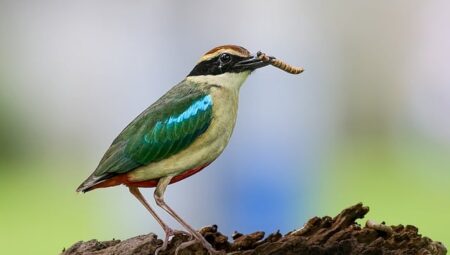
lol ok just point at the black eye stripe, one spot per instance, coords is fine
(216, 65)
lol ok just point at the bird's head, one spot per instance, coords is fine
(227, 65)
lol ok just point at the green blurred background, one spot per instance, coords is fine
(368, 121)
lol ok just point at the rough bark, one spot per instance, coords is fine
(325, 235)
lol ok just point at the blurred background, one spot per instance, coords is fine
(368, 121)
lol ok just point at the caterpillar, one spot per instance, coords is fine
(279, 63)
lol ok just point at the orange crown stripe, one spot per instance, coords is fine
(231, 49)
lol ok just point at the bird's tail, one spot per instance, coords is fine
(84, 187)
(89, 184)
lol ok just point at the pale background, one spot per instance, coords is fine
(369, 119)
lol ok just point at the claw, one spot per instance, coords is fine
(185, 245)
(191, 242)
(169, 233)
(158, 250)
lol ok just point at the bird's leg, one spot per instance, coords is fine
(159, 198)
(167, 230)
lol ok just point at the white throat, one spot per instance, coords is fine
(228, 80)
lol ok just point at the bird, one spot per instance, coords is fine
(180, 134)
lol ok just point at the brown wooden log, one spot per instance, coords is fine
(320, 235)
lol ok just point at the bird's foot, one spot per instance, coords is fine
(211, 250)
(198, 238)
(185, 245)
(169, 233)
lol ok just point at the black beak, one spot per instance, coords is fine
(251, 63)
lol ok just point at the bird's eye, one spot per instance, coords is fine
(225, 58)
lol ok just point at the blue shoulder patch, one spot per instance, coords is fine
(201, 104)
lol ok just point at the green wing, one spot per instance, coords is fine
(168, 126)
